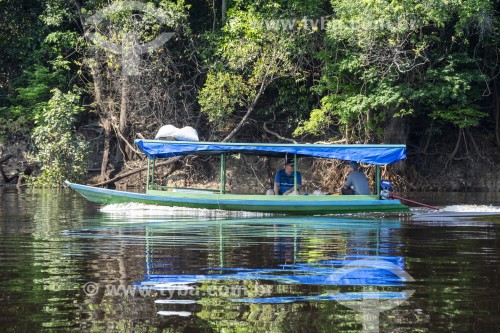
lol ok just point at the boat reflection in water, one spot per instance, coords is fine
(348, 260)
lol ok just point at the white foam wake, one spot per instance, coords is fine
(140, 210)
(471, 209)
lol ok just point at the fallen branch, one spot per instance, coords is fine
(330, 142)
(266, 129)
(5, 158)
(133, 172)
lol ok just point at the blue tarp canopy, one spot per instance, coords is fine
(372, 154)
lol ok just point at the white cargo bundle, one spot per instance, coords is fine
(170, 132)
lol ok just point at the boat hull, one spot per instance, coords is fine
(296, 205)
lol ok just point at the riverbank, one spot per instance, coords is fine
(247, 174)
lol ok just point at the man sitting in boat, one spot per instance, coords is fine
(284, 180)
(356, 182)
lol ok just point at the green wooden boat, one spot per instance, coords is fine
(220, 200)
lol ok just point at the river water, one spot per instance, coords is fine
(67, 265)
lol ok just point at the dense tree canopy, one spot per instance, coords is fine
(340, 71)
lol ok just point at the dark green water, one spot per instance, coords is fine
(63, 262)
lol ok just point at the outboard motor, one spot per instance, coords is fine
(386, 190)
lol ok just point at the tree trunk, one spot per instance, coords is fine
(457, 146)
(5, 179)
(496, 96)
(4, 176)
(250, 109)
(396, 132)
(346, 133)
(474, 144)
(428, 141)
(368, 126)
(105, 120)
(224, 10)
(122, 125)
(105, 154)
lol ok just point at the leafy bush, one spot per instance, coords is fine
(62, 153)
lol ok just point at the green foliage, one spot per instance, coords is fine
(377, 60)
(120, 26)
(460, 117)
(13, 128)
(388, 59)
(56, 13)
(222, 94)
(318, 122)
(62, 153)
(452, 91)
(245, 59)
(19, 35)
(34, 58)
(35, 90)
(30, 99)
(290, 100)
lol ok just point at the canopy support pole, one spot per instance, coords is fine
(153, 172)
(377, 180)
(223, 174)
(147, 176)
(295, 174)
